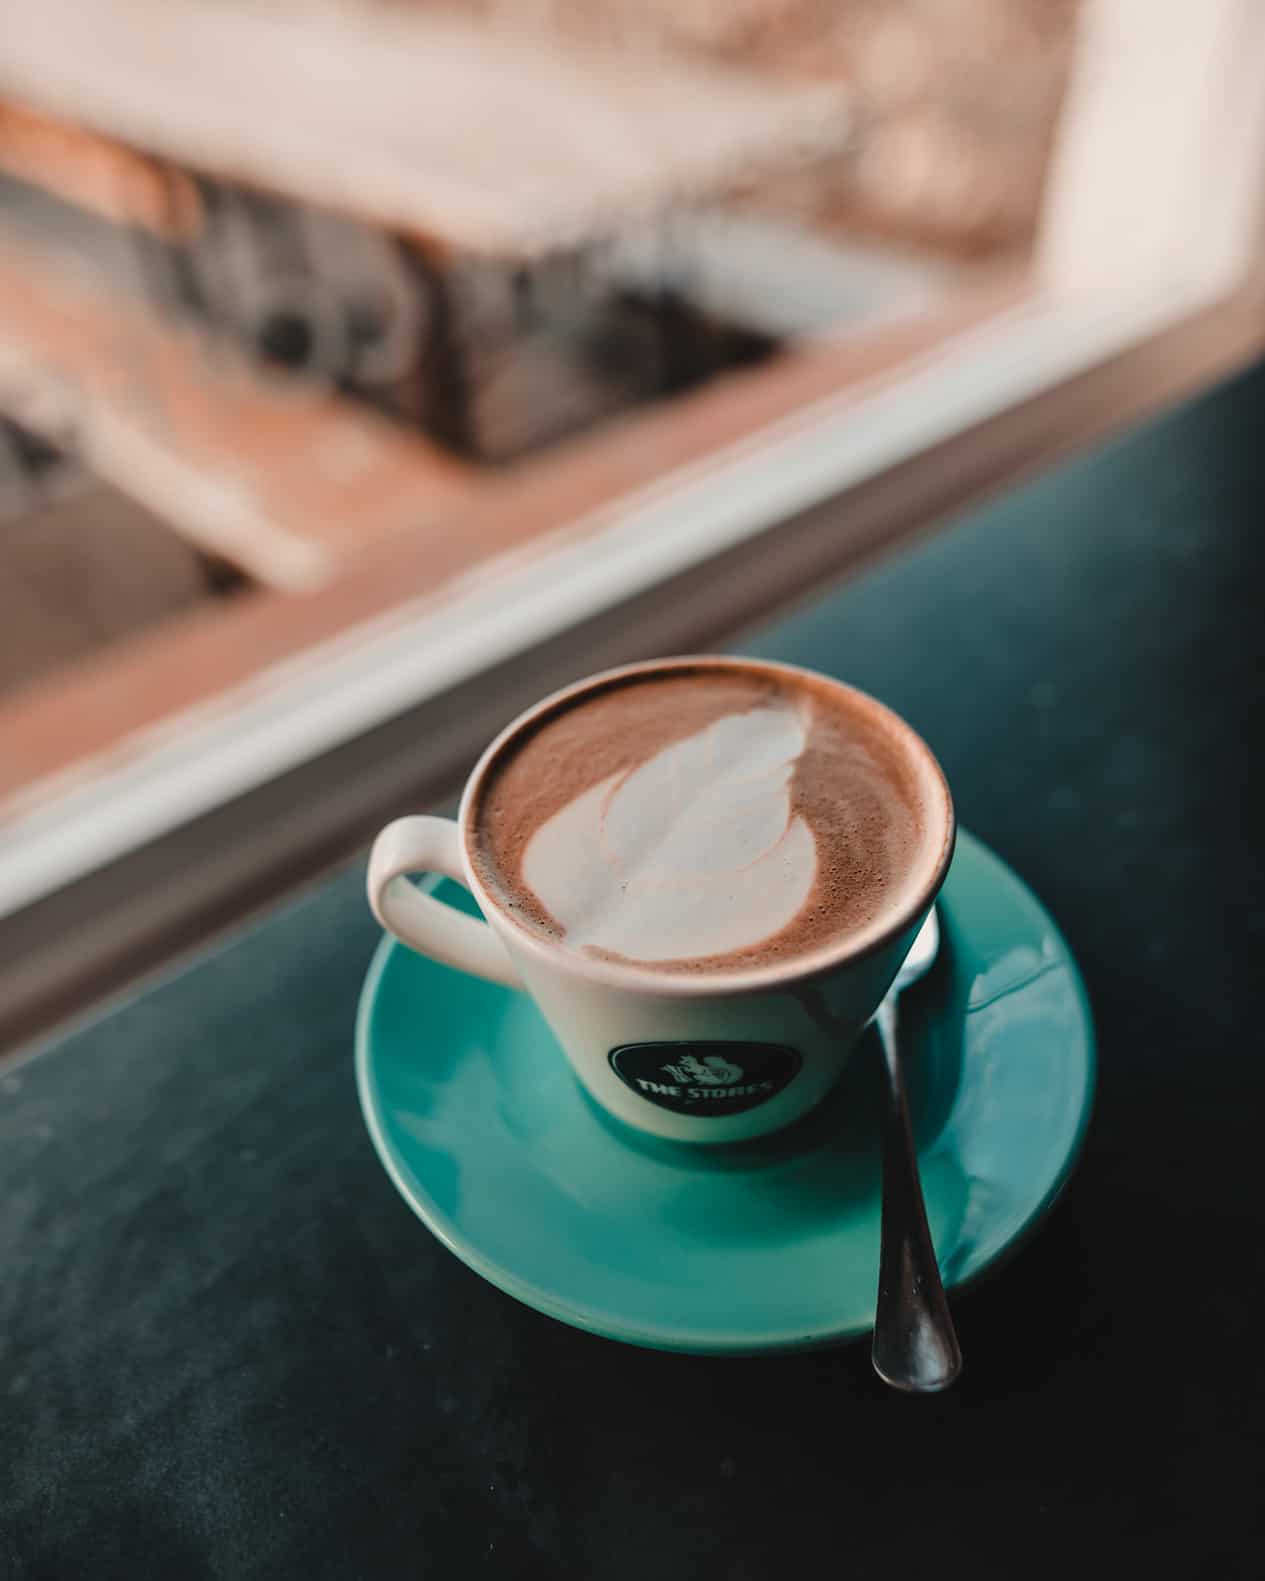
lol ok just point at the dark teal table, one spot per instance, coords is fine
(227, 1349)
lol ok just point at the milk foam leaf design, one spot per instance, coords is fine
(709, 805)
(695, 852)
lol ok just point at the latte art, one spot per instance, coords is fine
(707, 814)
(698, 851)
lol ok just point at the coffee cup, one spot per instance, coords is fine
(705, 871)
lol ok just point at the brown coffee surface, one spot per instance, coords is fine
(856, 784)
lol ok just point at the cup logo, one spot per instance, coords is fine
(705, 1079)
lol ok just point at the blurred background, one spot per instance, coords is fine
(152, 270)
(446, 323)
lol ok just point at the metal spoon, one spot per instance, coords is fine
(915, 1347)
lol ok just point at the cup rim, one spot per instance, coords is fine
(721, 980)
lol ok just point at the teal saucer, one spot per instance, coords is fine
(768, 1245)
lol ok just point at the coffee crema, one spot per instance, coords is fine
(708, 816)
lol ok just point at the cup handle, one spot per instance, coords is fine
(431, 845)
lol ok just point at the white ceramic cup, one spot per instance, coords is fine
(693, 1057)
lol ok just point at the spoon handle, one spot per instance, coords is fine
(915, 1346)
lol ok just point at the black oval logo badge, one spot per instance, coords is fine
(705, 1078)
